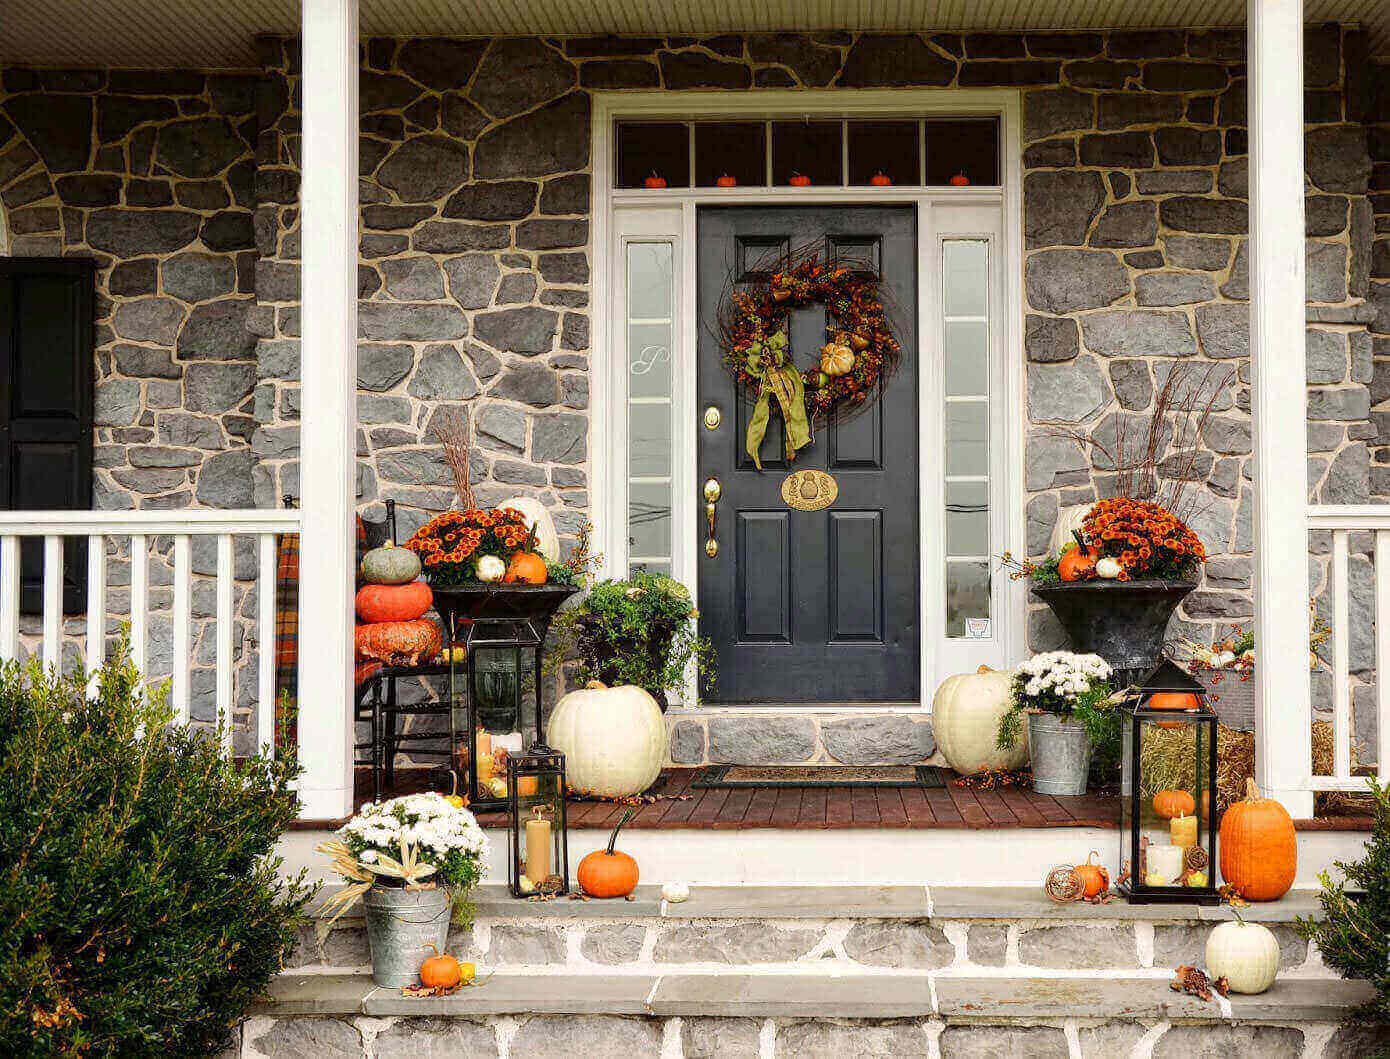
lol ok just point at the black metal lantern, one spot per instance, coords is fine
(1168, 792)
(537, 832)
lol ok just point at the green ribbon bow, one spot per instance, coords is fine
(777, 379)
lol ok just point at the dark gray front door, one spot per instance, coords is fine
(812, 606)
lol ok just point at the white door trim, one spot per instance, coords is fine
(676, 210)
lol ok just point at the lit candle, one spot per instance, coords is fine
(537, 848)
(526, 786)
(485, 762)
(1183, 831)
(1164, 863)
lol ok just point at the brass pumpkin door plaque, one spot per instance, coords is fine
(809, 490)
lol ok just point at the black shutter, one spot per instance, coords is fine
(46, 368)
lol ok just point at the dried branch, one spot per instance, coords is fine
(454, 429)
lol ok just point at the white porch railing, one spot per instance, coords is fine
(1342, 521)
(142, 528)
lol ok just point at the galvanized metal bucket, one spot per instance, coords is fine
(401, 926)
(1061, 754)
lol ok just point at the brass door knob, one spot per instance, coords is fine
(713, 492)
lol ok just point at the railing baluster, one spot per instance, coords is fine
(9, 597)
(52, 600)
(182, 632)
(1341, 634)
(267, 645)
(225, 588)
(139, 600)
(1383, 654)
(96, 602)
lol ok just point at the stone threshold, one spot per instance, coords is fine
(865, 996)
(494, 902)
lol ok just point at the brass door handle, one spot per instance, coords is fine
(712, 494)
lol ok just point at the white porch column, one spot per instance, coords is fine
(1280, 403)
(328, 367)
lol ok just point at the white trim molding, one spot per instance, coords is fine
(992, 213)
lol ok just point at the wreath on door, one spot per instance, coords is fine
(859, 351)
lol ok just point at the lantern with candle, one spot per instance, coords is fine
(537, 839)
(1166, 845)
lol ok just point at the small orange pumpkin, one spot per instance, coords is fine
(1169, 804)
(1094, 878)
(607, 872)
(1077, 564)
(393, 602)
(1173, 700)
(526, 567)
(440, 971)
(1259, 847)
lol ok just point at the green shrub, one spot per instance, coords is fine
(140, 907)
(1354, 931)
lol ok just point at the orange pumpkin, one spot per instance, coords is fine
(1094, 878)
(526, 567)
(393, 602)
(440, 971)
(607, 872)
(1259, 848)
(397, 642)
(1077, 564)
(1169, 804)
(1173, 700)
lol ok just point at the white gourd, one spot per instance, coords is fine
(1245, 954)
(613, 739)
(965, 720)
(1108, 568)
(1069, 520)
(491, 569)
(539, 520)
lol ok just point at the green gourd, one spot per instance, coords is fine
(390, 565)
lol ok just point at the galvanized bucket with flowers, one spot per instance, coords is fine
(409, 860)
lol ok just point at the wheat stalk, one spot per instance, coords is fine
(454, 429)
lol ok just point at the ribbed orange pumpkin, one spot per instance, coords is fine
(398, 642)
(1077, 564)
(1259, 848)
(1094, 878)
(1169, 804)
(528, 568)
(607, 873)
(393, 602)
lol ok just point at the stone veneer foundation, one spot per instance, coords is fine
(475, 261)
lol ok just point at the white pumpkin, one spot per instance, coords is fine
(1069, 521)
(965, 720)
(540, 522)
(1245, 954)
(1109, 568)
(614, 739)
(491, 568)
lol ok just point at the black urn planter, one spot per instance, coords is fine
(1122, 621)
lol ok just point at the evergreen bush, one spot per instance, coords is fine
(1353, 933)
(141, 910)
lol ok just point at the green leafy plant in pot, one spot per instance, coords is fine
(641, 631)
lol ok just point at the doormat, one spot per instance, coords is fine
(744, 776)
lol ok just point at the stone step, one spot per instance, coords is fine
(814, 1015)
(834, 930)
(865, 734)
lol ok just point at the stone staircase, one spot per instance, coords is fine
(816, 971)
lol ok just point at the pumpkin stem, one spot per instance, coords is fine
(1093, 853)
(432, 947)
(613, 838)
(1252, 791)
(1239, 918)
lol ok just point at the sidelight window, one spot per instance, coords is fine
(650, 310)
(965, 341)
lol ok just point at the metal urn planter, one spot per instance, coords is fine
(1122, 621)
(1060, 751)
(401, 926)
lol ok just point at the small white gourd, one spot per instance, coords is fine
(675, 892)
(965, 721)
(613, 739)
(1108, 568)
(1245, 954)
(491, 568)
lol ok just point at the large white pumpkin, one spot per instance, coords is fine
(538, 518)
(965, 720)
(1245, 954)
(614, 739)
(1069, 521)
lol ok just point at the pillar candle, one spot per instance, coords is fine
(1183, 831)
(1165, 863)
(537, 848)
(526, 786)
(485, 762)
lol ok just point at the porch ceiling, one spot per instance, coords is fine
(199, 34)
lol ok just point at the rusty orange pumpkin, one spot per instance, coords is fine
(440, 971)
(528, 568)
(1169, 804)
(609, 872)
(1077, 564)
(1094, 878)
(1173, 700)
(1259, 847)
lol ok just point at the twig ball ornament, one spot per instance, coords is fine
(1064, 885)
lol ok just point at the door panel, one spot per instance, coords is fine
(812, 606)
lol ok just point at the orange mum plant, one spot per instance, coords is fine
(1146, 539)
(451, 544)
